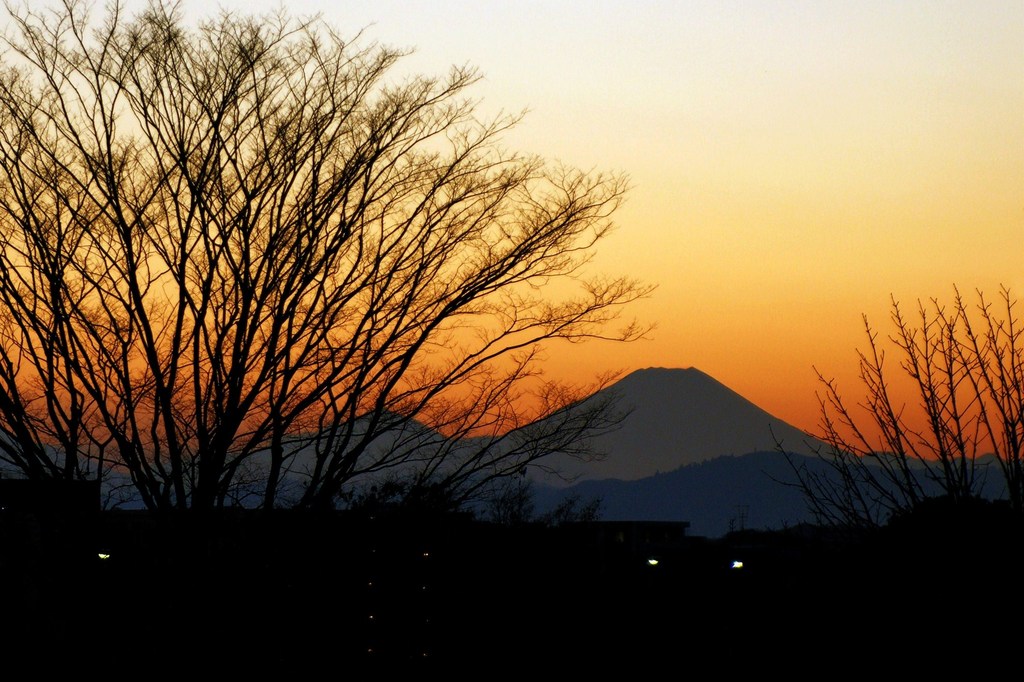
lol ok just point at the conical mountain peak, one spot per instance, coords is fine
(680, 416)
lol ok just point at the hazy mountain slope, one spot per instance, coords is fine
(679, 417)
(738, 491)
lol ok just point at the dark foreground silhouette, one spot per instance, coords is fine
(292, 593)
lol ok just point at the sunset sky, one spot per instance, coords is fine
(793, 164)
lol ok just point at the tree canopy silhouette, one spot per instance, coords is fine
(241, 264)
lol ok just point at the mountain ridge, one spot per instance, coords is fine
(731, 492)
(754, 491)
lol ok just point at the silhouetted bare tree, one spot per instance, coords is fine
(241, 265)
(966, 364)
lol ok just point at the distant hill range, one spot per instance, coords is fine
(689, 449)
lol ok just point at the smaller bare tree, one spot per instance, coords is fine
(885, 457)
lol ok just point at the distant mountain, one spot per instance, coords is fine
(678, 417)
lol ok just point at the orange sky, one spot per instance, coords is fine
(793, 163)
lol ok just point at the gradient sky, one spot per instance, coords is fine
(794, 164)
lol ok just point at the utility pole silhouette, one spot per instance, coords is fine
(741, 515)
